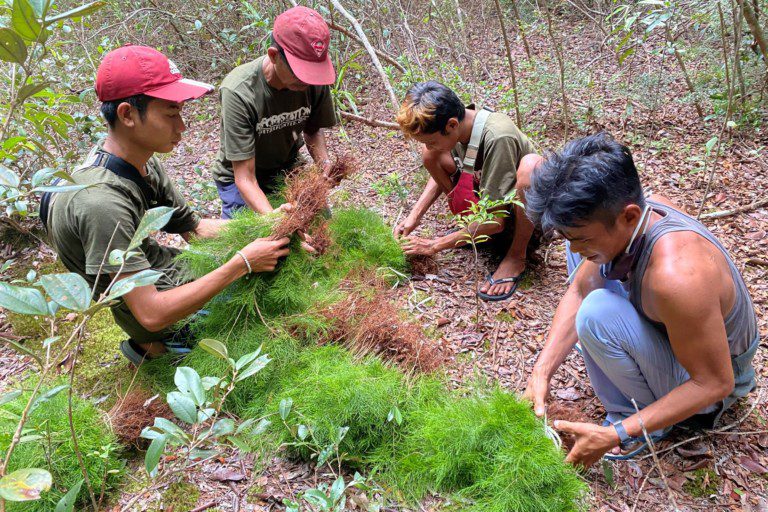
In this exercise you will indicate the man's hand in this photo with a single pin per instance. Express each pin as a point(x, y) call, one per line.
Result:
point(415, 246)
point(263, 253)
point(307, 242)
point(406, 227)
point(591, 441)
point(537, 391)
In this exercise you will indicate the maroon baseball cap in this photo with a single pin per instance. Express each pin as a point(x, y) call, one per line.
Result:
point(304, 36)
point(133, 70)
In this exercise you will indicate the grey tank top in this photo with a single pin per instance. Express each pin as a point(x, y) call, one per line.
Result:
point(741, 322)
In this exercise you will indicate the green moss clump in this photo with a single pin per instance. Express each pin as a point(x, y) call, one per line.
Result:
point(180, 496)
point(705, 482)
point(55, 450)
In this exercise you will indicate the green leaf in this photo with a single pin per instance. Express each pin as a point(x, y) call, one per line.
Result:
point(153, 220)
point(123, 286)
point(223, 427)
point(26, 301)
point(40, 400)
point(170, 427)
point(285, 407)
point(67, 502)
point(10, 396)
point(50, 341)
point(12, 47)
point(30, 90)
point(55, 189)
point(8, 178)
point(183, 407)
point(608, 473)
point(154, 452)
point(25, 484)
point(68, 290)
point(214, 347)
point(711, 144)
point(77, 12)
point(42, 175)
point(24, 21)
point(254, 368)
point(337, 489)
point(317, 498)
point(189, 383)
point(198, 454)
point(302, 432)
point(247, 359)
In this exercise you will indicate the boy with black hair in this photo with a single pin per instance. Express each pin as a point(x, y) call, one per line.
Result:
point(142, 94)
point(270, 107)
point(661, 312)
point(468, 152)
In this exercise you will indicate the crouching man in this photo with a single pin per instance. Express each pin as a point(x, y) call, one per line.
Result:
point(142, 94)
point(468, 152)
point(661, 312)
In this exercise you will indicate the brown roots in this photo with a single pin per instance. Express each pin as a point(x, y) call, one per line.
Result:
point(136, 410)
point(422, 265)
point(367, 322)
point(307, 190)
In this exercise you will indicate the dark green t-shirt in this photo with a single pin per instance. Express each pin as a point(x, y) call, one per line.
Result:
point(81, 225)
point(261, 122)
point(502, 147)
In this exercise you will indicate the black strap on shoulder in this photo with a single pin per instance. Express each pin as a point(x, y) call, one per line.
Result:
point(116, 165)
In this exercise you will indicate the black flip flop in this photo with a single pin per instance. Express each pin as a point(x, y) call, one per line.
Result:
point(494, 298)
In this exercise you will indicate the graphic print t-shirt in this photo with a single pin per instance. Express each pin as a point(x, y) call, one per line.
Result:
point(258, 121)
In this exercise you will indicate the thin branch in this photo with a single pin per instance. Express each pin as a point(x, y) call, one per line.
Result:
point(733, 211)
point(356, 39)
point(369, 121)
point(511, 64)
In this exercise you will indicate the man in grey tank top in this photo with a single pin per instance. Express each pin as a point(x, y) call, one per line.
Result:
point(661, 313)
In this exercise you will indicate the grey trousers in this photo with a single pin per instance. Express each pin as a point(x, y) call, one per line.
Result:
point(625, 355)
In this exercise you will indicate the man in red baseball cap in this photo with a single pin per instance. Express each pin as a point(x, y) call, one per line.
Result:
point(142, 95)
point(269, 105)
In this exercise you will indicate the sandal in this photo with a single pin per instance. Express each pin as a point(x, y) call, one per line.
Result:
point(490, 280)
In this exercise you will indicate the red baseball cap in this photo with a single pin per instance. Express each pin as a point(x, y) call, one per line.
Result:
point(133, 70)
point(304, 36)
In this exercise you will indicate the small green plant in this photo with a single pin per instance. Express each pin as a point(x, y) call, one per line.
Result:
point(484, 212)
point(330, 498)
point(198, 402)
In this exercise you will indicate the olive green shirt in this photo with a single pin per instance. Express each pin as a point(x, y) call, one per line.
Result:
point(502, 147)
point(81, 225)
point(261, 122)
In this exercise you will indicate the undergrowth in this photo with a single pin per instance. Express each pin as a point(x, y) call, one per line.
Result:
point(54, 449)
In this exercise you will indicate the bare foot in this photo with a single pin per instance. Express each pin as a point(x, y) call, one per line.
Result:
point(509, 267)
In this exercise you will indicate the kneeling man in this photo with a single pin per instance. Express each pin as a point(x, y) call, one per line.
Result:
point(661, 312)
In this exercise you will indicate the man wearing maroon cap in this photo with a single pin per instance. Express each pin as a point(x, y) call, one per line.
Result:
point(269, 105)
point(142, 94)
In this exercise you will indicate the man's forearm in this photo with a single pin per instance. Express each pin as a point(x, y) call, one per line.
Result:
point(209, 228)
point(427, 198)
point(462, 237)
point(562, 335)
point(253, 196)
point(316, 146)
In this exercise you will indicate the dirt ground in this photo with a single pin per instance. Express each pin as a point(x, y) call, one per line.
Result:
point(724, 470)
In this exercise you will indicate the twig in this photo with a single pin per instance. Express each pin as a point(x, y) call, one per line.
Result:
point(512, 73)
point(733, 211)
point(370, 49)
point(652, 448)
point(353, 37)
point(208, 505)
point(369, 121)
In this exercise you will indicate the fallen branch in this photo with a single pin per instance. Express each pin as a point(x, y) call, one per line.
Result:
point(733, 211)
point(370, 121)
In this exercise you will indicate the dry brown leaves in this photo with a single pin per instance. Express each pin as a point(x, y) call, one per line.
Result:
point(367, 322)
point(422, 264)
point(136, 410)
point(307, 190)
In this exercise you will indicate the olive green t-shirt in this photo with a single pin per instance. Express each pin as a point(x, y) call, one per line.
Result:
point(502, 147)
point(260, 121)
point(81, 225)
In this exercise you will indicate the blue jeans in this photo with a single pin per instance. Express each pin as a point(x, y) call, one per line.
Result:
point(231, 200)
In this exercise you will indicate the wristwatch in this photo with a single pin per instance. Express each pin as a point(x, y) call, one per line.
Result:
point(621, 431)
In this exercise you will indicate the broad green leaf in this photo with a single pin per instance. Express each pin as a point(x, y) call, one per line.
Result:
point(317, 498)
point(302, 432)
point(27, 301)
point(10, 396)
point(154, 452)
point(25, 484)
point(153, 220)
point(12, 47)
point(213, 347)
point(30, 90)
point(285, 407)
point(54, 189)
point(123, 286)
point(341, 433)
point(68, 290)
point(337, 489)
point(198, 454)
point(223, 427)
point(170, 427)
point(711, 144)
point(77, 12)
point(8, 178)
point(67, 502)
point(40, 400)
point(189, 382)
point(42, 175)
point(183, 407)
point(247, 359)
point(24, 21)
point(50, 341)
point(254, 368)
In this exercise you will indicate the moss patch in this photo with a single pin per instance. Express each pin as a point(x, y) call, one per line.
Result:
point(703, 482)
point(179, 496)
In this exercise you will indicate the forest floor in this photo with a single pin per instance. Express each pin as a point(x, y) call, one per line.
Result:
point(726, 470)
